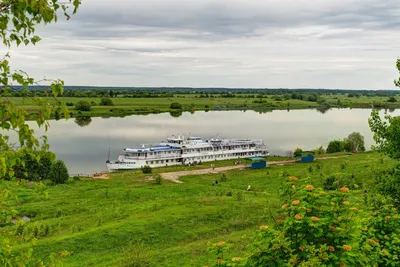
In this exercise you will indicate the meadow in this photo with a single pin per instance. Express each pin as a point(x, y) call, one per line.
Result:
point(129, 220)
point(191, 102)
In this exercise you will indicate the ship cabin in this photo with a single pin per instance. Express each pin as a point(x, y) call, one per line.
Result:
point(161, 154)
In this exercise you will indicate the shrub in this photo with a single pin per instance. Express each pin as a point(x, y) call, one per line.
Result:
point(176, 105)
point(158, 179)
point(320, 150)
point(147, 169)
point(59, 172)
point(82, 105)
point(106, 101)
point(355, 143)
point(223, 178)
point(392, 99)
point(335, 146)
point(69, 104)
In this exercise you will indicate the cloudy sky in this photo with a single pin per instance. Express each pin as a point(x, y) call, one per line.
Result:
point(221, 43)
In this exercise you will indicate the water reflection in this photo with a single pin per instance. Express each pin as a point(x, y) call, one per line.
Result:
point(323, 109)
point(85, 149)
point(176, 114)
point(83, 120)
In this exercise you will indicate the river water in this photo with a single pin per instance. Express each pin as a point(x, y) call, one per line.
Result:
point(84, 145)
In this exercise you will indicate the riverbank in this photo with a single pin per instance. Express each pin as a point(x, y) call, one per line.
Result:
point(192, 102)
point(129, 219)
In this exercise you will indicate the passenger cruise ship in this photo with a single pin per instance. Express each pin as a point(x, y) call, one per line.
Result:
point(177, 150)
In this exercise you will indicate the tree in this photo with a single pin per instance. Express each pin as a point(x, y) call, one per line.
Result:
point(392, 99)
point(105, 101)
point(355, 142)
point(82, 105)
point(83, 120)
point(386, 133)
point(18, 21)
point(335, 146)
point(59, 172)
point(176, 105)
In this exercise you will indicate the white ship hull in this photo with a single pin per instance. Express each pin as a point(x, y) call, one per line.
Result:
point(178, 151)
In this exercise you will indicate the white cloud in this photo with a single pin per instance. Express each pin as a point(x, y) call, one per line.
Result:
point(285, 43)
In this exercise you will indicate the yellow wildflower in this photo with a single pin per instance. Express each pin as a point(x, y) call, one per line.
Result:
point(310, 187)
point(295, 202)
point(298, 217)
point(340, 219)
point(263, 227)
point(344, 190)
point(347, 247)
point(346, 203)
point(236, 259)
point(333, 203)
point(315, 219)
point(220, 260)
point(385, 252)
point(293, 178)
point(355, 209)
point(221, 243)
point(285, 206)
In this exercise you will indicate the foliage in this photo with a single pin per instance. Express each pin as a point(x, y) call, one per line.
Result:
point(83, 105)
point(355, 142)
point(105, 101)
point(392, 99)
point(33, 167)
point(158, 179)
point(18, 20)
point(59, 172)
point(176, 105)
point(335, 146)
point(147, 169)
point(135, 255)
point(224, 178)
point(319, 151)
point(317, 228)
point(297, 152)
point(386, 133)
point(387, 183)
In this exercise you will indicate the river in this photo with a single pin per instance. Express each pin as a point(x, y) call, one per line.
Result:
point(84, 146)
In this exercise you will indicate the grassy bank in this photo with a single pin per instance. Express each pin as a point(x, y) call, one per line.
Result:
point(130, 219)
point(192, 102)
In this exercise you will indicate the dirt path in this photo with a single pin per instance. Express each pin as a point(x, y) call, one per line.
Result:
point(174, 176)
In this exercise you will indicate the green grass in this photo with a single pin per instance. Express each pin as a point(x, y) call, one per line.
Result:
point(171, 224)
point(128, 106)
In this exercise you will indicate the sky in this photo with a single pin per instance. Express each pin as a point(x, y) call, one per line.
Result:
point(348, 44)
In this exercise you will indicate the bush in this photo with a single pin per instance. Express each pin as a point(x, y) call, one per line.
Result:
point(335, 146)
point(35, 169)
point(176, 105)
point(59, 172)
point(147, 169)
point(158, 179)
point(320, 150)
point(105, 101)
point(392, 99)
point(69, 104)
point(224, 178)
point(82, 106)
point(354, 143)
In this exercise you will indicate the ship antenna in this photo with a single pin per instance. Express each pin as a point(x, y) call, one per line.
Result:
point(109, 150)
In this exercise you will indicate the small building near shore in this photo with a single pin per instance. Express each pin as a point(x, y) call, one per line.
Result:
point(305, 156)
point(257, 162)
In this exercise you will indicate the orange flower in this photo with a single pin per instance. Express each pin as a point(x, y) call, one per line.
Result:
point(385, 252)
point(295, 202)
point(365, 229)
point(293, 178)
point(236, 259)
point(220, 260)
point(285, 206)
point(355, 209)
point(315, 219)
point(310, 187)
point(372, 241)
point(298, 217)
point(347, 247)
point(333, 228)
point(221, 243)
point(387, 217)
point(331, 249)
point(344, 190)
point(346, 203)
point(263, 227)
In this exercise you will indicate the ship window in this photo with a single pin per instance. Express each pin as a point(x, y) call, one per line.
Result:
point(166, 161)
point(151, 162)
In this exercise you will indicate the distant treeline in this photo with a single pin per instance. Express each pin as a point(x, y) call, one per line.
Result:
point(136, 92)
